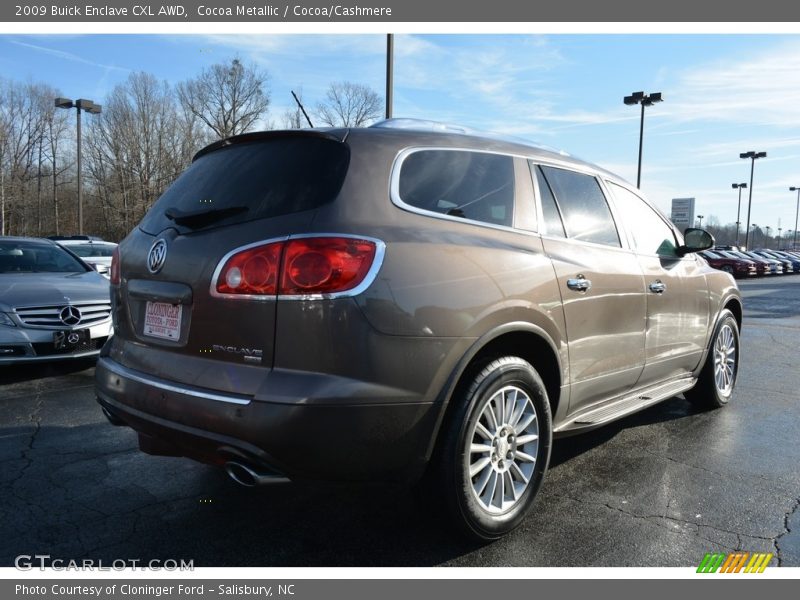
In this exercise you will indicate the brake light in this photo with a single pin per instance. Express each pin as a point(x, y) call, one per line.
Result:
point(297, 267)
point(114, 276)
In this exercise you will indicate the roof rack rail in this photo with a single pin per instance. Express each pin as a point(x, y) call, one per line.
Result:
point(423, 125)
point(435, 126)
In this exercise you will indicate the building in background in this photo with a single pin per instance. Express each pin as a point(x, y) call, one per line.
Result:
point(682, 212)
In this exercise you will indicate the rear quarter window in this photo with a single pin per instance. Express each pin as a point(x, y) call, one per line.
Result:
point(269, 178)
point(461, 184)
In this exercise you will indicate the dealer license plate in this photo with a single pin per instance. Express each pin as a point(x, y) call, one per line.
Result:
point(163, 320)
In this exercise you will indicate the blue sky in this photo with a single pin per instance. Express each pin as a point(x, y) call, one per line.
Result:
point(724, 94)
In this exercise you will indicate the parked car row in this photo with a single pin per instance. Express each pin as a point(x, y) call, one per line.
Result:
point(754, 263)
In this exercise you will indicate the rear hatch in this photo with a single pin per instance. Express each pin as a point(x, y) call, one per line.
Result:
point(238, 192)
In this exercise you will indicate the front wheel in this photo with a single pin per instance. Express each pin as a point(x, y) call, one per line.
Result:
point(496, 450)
point(718, 377)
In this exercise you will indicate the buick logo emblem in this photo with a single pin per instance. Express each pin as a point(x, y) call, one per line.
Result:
point(157, 256)
point(70, 315)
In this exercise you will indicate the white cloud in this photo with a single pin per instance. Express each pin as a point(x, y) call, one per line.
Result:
point(68, 56)
point(762, 89)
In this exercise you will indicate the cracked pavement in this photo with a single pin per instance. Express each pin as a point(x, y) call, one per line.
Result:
point(660, 488)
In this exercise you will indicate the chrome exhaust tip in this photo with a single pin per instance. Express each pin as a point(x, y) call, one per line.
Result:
point(249, 476)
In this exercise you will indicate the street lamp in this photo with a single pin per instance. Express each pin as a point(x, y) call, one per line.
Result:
point(752, 155)
point(644, 100)
point(700, 218)
point(796, 211)
point(739, 208)
point(80, 105)
point(780, 242)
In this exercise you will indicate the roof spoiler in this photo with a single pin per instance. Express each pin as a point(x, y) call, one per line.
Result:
point(335, 135)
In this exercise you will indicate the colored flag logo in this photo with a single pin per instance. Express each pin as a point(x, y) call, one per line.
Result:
point(735, 562)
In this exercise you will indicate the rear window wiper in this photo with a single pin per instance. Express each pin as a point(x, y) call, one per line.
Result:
point(200, 218)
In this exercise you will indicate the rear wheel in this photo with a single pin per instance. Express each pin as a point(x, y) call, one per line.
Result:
point(496, 450)
point(718, 377)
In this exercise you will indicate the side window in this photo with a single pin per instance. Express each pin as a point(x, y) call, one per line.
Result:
point(583, 206)
point(651, 234)
point(553, 225)
point(468, 185)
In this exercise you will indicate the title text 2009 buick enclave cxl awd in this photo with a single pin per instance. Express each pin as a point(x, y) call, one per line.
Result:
point(403, 302)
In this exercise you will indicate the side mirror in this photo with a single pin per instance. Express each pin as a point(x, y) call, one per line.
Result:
point(695, 240)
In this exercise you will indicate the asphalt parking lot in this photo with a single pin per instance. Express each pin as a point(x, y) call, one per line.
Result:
point(660, 488)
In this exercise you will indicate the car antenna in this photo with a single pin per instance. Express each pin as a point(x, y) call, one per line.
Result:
point(300, 104)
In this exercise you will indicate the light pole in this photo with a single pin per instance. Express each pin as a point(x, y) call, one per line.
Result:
point(700, 218)
point(753, 226)
point(796, 212)
point(644, 100)
point(91, 108)
point(389, 73)
point(752, 155)
point(780, 242)
point(769, 235)
point(739, 208)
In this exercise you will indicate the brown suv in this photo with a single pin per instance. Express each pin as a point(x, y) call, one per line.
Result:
point(392, 302)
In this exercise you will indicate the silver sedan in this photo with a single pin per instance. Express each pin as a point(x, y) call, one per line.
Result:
point(53, 306)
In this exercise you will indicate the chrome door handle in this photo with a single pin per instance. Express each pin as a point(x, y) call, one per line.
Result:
point(579, 284)
point(658, 287)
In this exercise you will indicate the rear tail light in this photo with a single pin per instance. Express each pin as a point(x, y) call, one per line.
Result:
point(114, 276)
point(298, 267)
point(253, 271)
point(325, 265)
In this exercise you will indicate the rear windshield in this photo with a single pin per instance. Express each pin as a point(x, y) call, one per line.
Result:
point(252, 180)
point(18, 256)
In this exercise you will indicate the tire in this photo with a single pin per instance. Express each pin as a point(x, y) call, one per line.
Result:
point(728, 269)
point(506, 451)
point(718, 376)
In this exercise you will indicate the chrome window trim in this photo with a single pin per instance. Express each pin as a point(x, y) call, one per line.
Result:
point(369, 278)
point(122, 371)
point(394, 186)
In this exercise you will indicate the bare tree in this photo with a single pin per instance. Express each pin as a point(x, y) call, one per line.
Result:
point(349, 104)
point(228, 97)
point(23, 113)
point(138, 145)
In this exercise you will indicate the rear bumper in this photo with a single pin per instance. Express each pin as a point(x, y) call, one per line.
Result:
point(301, 425)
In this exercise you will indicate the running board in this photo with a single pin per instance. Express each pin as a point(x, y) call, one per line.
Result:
point(633, 402)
